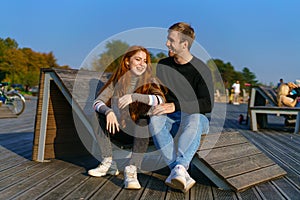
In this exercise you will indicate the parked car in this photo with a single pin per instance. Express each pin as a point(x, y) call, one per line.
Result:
point(16, 86)
point(34, 90)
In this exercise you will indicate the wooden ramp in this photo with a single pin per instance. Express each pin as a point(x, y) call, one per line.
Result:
point(64, 112)
point(232, 162)
point(5, 112)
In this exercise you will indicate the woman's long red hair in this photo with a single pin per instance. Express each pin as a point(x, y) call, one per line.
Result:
point(121, 77)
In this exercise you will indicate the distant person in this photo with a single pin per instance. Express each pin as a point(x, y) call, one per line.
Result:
point(177, 125)
point(237, 90)
point(127, 96)
point(285, 97)
point(278, 84)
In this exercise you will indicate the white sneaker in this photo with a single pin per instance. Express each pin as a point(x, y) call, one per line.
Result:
point(130, 178)
point(190, 182)
point(106, 167)
point(177, 178)
point(180, 179)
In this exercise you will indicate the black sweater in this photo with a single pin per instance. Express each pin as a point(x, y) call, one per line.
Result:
point(190, 86)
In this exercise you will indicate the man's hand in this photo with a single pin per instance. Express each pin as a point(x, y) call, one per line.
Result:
point(164, 108)
point(112, 123)
point(125, 100)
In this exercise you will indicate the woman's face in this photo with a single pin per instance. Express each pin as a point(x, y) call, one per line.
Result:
point(138, 63)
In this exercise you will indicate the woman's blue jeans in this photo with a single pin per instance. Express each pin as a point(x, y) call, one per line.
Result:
point(177, 136)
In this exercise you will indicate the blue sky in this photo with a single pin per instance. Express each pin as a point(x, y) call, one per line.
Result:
point(259, 34)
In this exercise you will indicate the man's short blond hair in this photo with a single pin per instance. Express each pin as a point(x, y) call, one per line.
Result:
point(186, 31)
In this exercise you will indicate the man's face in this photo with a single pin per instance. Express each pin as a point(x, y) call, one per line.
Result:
point(174, 43)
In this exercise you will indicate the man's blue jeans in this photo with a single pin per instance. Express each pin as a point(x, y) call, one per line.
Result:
point(177, 136)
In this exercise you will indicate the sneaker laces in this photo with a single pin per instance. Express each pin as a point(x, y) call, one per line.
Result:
point(131, 172)
point(105, 164)
point(179, 169)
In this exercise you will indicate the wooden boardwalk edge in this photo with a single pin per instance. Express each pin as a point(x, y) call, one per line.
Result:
point(234, 164)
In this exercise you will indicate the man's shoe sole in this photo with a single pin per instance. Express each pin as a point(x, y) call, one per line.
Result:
point(114, 173)
point(176, 183)
point(189, 186)
point(132, 186)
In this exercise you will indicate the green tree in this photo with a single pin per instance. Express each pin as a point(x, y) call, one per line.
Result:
point(230, 75)
point(155, 59)
point(227, 72)
point(7, 43)
point(249, 76)
point(110, 59)
point(22, 65)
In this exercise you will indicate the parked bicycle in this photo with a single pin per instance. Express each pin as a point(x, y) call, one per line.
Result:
point(12, 99)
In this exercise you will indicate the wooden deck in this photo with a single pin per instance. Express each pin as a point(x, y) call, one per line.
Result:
point(5, 112)
point(22, 178)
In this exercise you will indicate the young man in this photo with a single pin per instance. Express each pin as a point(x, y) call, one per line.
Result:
point(237, 90)
point(182, 119)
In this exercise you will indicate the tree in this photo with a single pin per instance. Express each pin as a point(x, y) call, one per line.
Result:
point(229, 75)
point(22, 65)
point(155, 59)
point(249, 76)
point(8, 43)
point(226, 70)
point(110, 59)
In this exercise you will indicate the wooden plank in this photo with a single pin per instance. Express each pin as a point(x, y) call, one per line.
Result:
point(38, 114)
point(63, 150)
point(35, 178)
point(13, 160)
point(49, 183)
point(287, 188)
point(223, 194)
point(67, 187)
point(5, 112)
point(156, 188)
point(59, 120)
point(202, 191)
point(211, 174)
point(218, 155)
point(282, 159)
point(249, 194)
point(15, 169)
point(239, 166)
point(269, 190)
point(231, 160)
point(60, 136)
point(202, 187)
point(15, 179)
point(247, 180)
point(110, 189)
point(62, 121)
point(135, 194)
point(215, 140)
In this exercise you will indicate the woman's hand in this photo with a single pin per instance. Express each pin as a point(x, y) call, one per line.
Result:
point(112, 124)
point(292, 85)
point(164, 108)
point(125, 100)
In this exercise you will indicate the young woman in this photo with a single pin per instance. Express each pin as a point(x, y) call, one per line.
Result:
point(284, 97)
point(123, 105)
